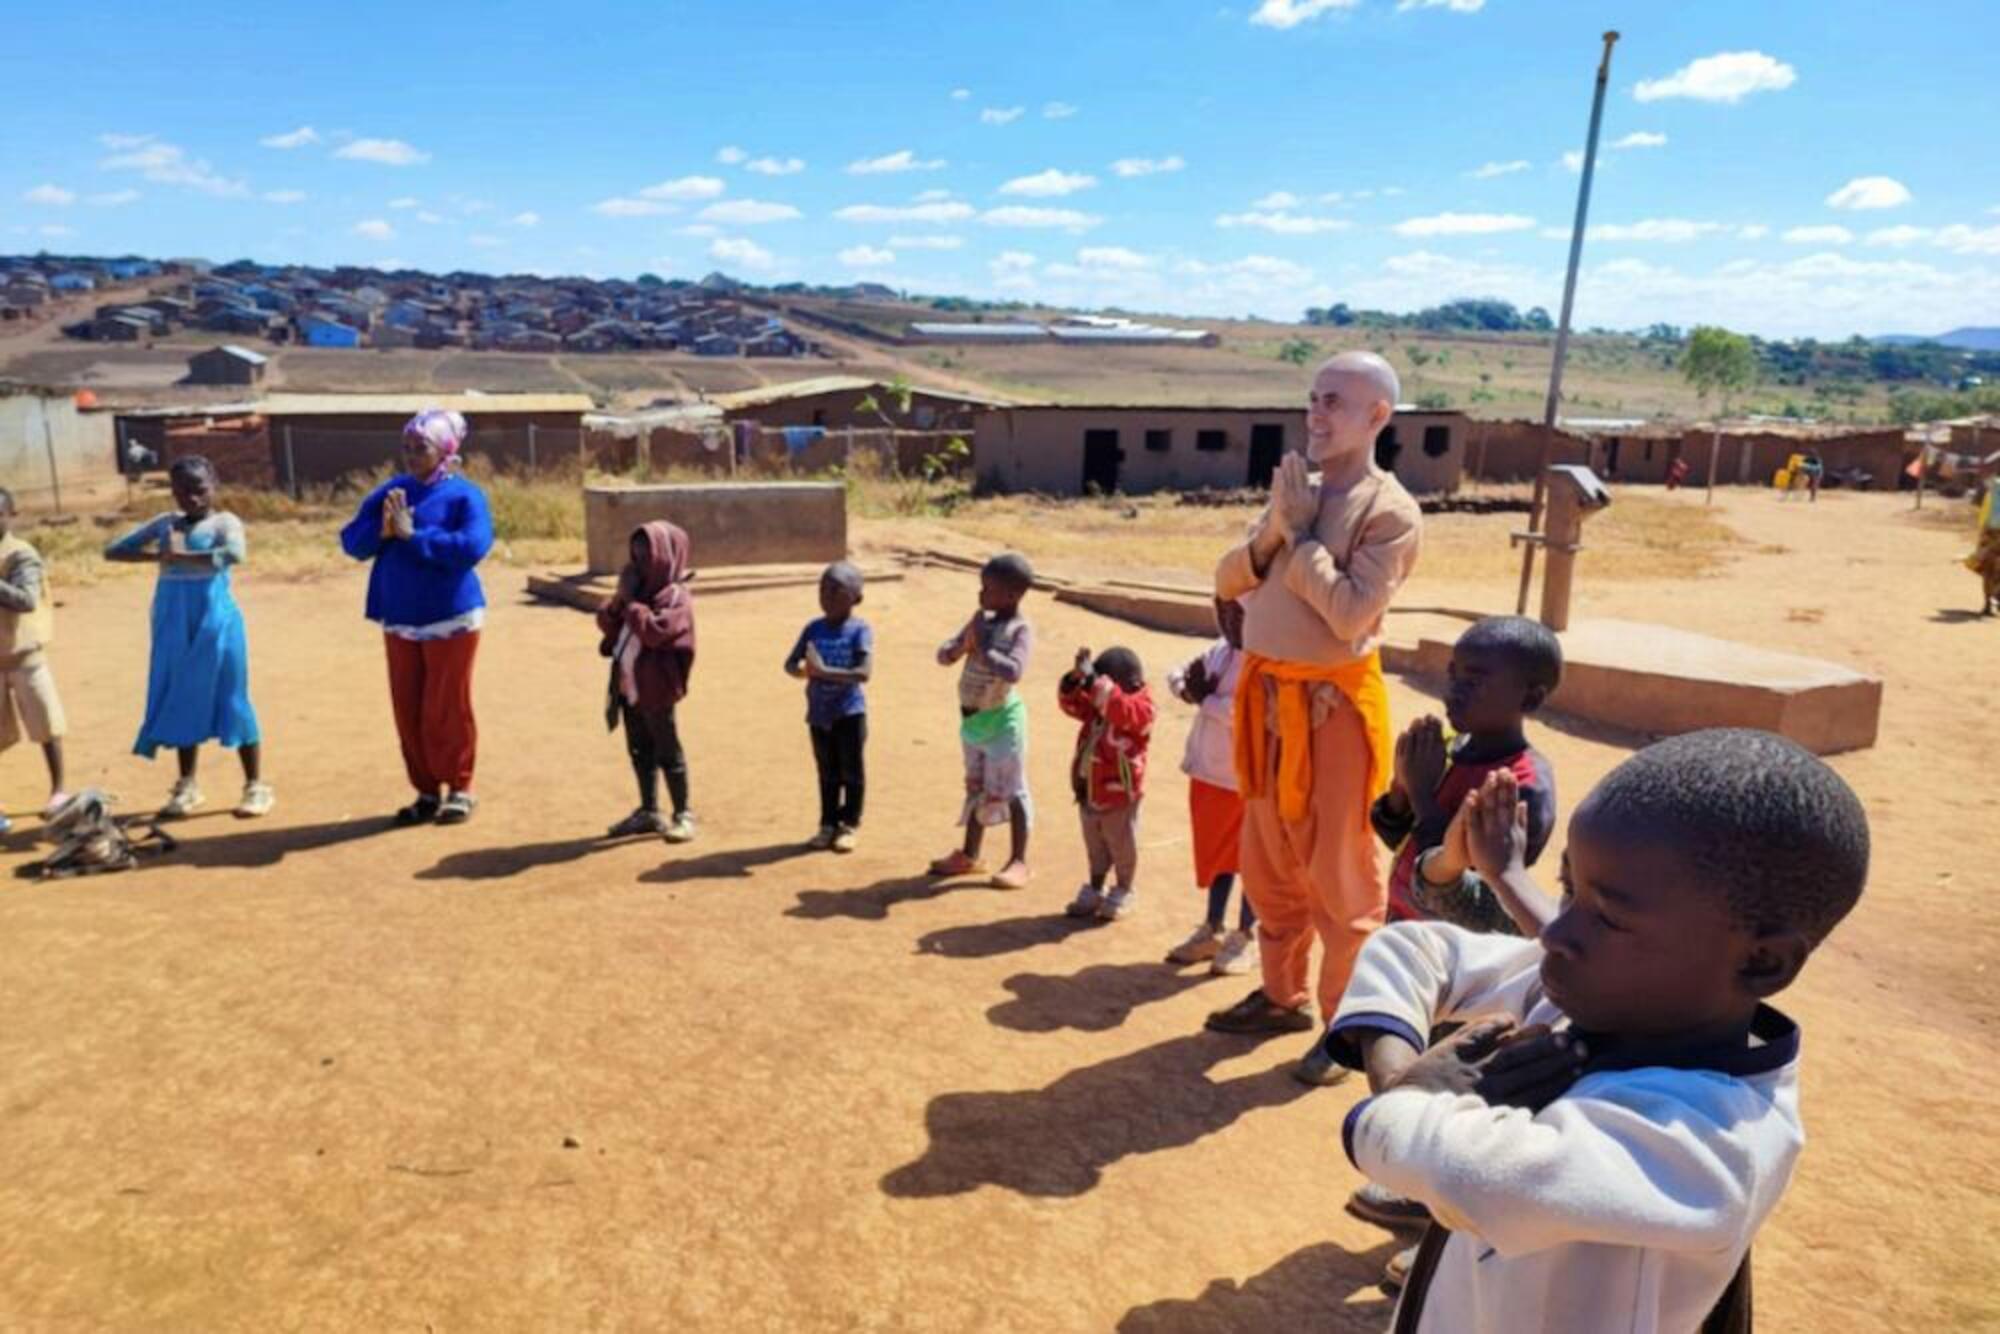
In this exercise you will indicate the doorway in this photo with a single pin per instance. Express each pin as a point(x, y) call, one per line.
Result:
point(1101, 457)
point(1267, 446)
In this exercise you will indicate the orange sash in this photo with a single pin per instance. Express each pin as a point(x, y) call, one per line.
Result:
point(1359, 681)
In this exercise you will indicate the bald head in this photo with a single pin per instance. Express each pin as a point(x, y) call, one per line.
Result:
point(1353, 396)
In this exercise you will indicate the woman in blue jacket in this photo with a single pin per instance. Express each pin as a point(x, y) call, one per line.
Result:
point(426, 530)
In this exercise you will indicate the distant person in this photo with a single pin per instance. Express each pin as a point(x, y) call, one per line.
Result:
point(1107, 773)
point(648, 628)
point(198, 686)
point(29, 704)
point(834, 656)
point(1620, 1114)
point(1677, 473)
point(993, 719)
point(1985, 558)
point(1215, 807)
point(1313, 744)
point(426, 530)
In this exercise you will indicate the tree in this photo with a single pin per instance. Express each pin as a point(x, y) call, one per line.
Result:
point(1721, 363)
point(1298, 351)
point(1538, 320)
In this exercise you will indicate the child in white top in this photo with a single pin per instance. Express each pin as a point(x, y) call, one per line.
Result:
point(1215, 807)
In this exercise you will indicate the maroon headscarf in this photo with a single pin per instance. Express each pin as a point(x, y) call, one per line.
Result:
point(663, 582)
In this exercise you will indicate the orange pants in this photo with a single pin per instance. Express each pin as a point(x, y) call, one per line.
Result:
point(1316, 876)
point(430, 689)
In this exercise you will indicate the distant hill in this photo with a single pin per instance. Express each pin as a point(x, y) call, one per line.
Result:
point(1979, 339)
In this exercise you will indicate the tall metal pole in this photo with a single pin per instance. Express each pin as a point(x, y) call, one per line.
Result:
point(1554, 405)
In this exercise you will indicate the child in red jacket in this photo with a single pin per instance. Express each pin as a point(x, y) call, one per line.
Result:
point(648, 628)
point(1108, 771)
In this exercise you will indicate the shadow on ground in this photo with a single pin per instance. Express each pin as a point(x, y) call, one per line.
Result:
point(1956, 616)
point(499, 863)
point(1321, 1288)
point(257, 844)
point(1058, 1140)
point(985, 940)
point(871, 903)
point(737, 862)
point(1099, 998)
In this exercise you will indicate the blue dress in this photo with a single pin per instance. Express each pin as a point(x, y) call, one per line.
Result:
point(198, 687)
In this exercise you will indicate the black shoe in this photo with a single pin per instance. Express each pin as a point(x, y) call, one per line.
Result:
point(1385, 1208)
point(1257, 1013)
point(421, 811)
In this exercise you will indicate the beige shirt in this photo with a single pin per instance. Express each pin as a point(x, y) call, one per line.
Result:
point(1321, 602)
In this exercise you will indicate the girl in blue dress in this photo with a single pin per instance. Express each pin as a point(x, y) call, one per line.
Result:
point(198, 688)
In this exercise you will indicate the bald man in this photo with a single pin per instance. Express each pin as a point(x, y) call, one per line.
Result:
point(1313, 747)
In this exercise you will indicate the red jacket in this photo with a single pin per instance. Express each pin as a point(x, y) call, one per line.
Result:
point(654, 603)
point(1108, 770)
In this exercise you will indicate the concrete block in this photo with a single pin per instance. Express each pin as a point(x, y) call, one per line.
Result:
point(728, 523)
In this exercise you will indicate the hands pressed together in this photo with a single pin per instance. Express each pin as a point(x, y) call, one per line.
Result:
point(397, 520)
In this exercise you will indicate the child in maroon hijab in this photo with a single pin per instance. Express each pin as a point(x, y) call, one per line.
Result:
point(648, 630)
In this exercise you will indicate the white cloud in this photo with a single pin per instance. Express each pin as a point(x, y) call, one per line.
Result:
point(743, 252)
point(1827, 235)
point(622, 207)
point(1965, 240)
point(375, 230)
point(166, 164)
point(1870, 192)
point(867, 257)
point(53, 195)
point(748, 212)
point(298, 138)
point(685, 187)
point(932, 196)
point(1112, 257)
point(1455, 6)
point(940, 211)
point(774, 166)
point(1642, 139)
point(1463, 224)
point(1755, 231)
point(1487, 171)
point(1283, 223)
point(926, 242)
point(1000, 115)
point(1282, 14)
point(1278, 199)
point(429, 218)
point(1048, 183)
point(1012, 259)
point(56, 229)
point(1898, 236)
point(113, 198)
point(901, 160)
point(406, 201)
point(1672, 231)
point(1057, 111)
point(284, 196)
point(1573, 160)
point(1729, 76)
point(526, 219)
point(482, 241)
point(1146, 166)
point(699, 229)
point(730, 155)
point(960, 94)
point(388, 152)
point(1016, 215)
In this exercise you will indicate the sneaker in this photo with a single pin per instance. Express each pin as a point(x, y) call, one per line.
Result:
point(182, 801)
point(5, 824)
point(1118, 903)
point(1014, 875)
point(1397, 1271)
point(822, 840)
point(1238, 955)
point(843, 839)
point(957, 863)
point(457, 808)
point(421, 811)
point(640, 821)
point(1086, 903)
point(680, 829)
point(1317, 1068)
point(1198, 947)
point(1259, 1015)
point(1384, 1208)
point(258, 799)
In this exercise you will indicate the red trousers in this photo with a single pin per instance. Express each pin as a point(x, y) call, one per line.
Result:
point(430, 688)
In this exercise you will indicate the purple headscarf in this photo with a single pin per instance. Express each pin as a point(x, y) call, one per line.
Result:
point(444, 431)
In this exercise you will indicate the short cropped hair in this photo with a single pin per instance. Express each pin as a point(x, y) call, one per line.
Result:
point(844, 575)
point(1761, 821)
point(1121, 665)
point(1012, 569)
point(1531, 646)
point(191, 466)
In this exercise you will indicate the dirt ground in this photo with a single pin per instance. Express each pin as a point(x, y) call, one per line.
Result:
point(316, 1073)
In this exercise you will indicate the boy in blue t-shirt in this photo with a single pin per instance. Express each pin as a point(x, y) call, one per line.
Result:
point(833, 655)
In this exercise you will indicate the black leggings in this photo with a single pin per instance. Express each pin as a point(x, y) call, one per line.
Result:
point(655, 747)
point(843, 776)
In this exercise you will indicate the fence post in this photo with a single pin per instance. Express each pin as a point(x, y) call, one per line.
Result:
point(531, 448)
point(49, 443)
point(291, 466)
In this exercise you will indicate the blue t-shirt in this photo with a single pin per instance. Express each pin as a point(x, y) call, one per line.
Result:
point(841, 647)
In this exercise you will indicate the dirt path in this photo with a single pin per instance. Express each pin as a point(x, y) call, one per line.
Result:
point(315, 1073)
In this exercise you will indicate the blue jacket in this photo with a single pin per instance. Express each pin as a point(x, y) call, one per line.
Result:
point(430, 577)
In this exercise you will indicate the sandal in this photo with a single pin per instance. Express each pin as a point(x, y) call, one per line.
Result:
point(956, 864)
point(421, 811)
point(457, 808)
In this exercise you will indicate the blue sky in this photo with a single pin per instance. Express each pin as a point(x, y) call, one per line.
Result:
point(1779, 166)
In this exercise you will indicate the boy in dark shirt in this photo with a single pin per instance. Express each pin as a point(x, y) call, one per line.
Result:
point(833, 656)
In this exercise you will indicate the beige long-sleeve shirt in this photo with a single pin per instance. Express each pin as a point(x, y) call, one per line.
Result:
point(1322, 601)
